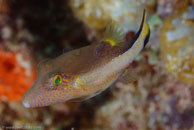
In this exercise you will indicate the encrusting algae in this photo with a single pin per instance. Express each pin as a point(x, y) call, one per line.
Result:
point(15, 77)
point(177, 44)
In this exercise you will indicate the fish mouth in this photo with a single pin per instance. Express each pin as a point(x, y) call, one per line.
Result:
point(26, 100)
point(25, 104)
point(30, 96)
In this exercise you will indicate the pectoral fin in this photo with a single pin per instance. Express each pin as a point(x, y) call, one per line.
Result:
point(128, 76)
point(82, 98)
point(79, 99)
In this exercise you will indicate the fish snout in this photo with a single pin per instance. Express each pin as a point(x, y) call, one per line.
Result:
point(26, 102)
point(28, 98)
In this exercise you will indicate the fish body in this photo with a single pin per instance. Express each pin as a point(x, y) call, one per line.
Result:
point(83, 73)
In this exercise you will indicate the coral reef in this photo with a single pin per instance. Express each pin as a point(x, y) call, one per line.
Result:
point(3, 6)
point(96, 14)
point(177, 45)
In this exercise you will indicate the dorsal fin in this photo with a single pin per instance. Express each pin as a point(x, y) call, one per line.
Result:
point(114, 35)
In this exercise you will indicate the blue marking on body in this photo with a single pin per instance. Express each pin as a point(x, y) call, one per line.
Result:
point(62, 85)
point(34, 103)
point(65, 77)
point(48, 103)
point(64, 82)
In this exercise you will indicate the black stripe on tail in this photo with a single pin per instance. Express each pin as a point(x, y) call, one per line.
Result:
point(132, 41)
point(147, 38)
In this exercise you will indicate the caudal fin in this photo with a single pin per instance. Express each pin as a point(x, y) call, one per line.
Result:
point(143, 32)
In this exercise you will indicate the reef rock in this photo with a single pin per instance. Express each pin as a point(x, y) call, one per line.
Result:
point(177, 44)
point(96, 14)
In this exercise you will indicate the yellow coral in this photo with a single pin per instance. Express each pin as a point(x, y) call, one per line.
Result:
point(177, 45)
point(96, 14)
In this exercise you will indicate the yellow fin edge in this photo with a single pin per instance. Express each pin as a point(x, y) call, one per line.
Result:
point(111, 42)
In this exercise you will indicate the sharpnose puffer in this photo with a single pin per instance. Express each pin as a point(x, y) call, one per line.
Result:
point(83, 73)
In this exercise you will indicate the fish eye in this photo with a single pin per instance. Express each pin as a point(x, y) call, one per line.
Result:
point(57, 80)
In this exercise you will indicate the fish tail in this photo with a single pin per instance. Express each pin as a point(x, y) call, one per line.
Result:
point(143, 33)
point(146, 29)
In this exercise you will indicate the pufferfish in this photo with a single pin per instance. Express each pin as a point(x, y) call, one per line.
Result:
point(86, 72)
